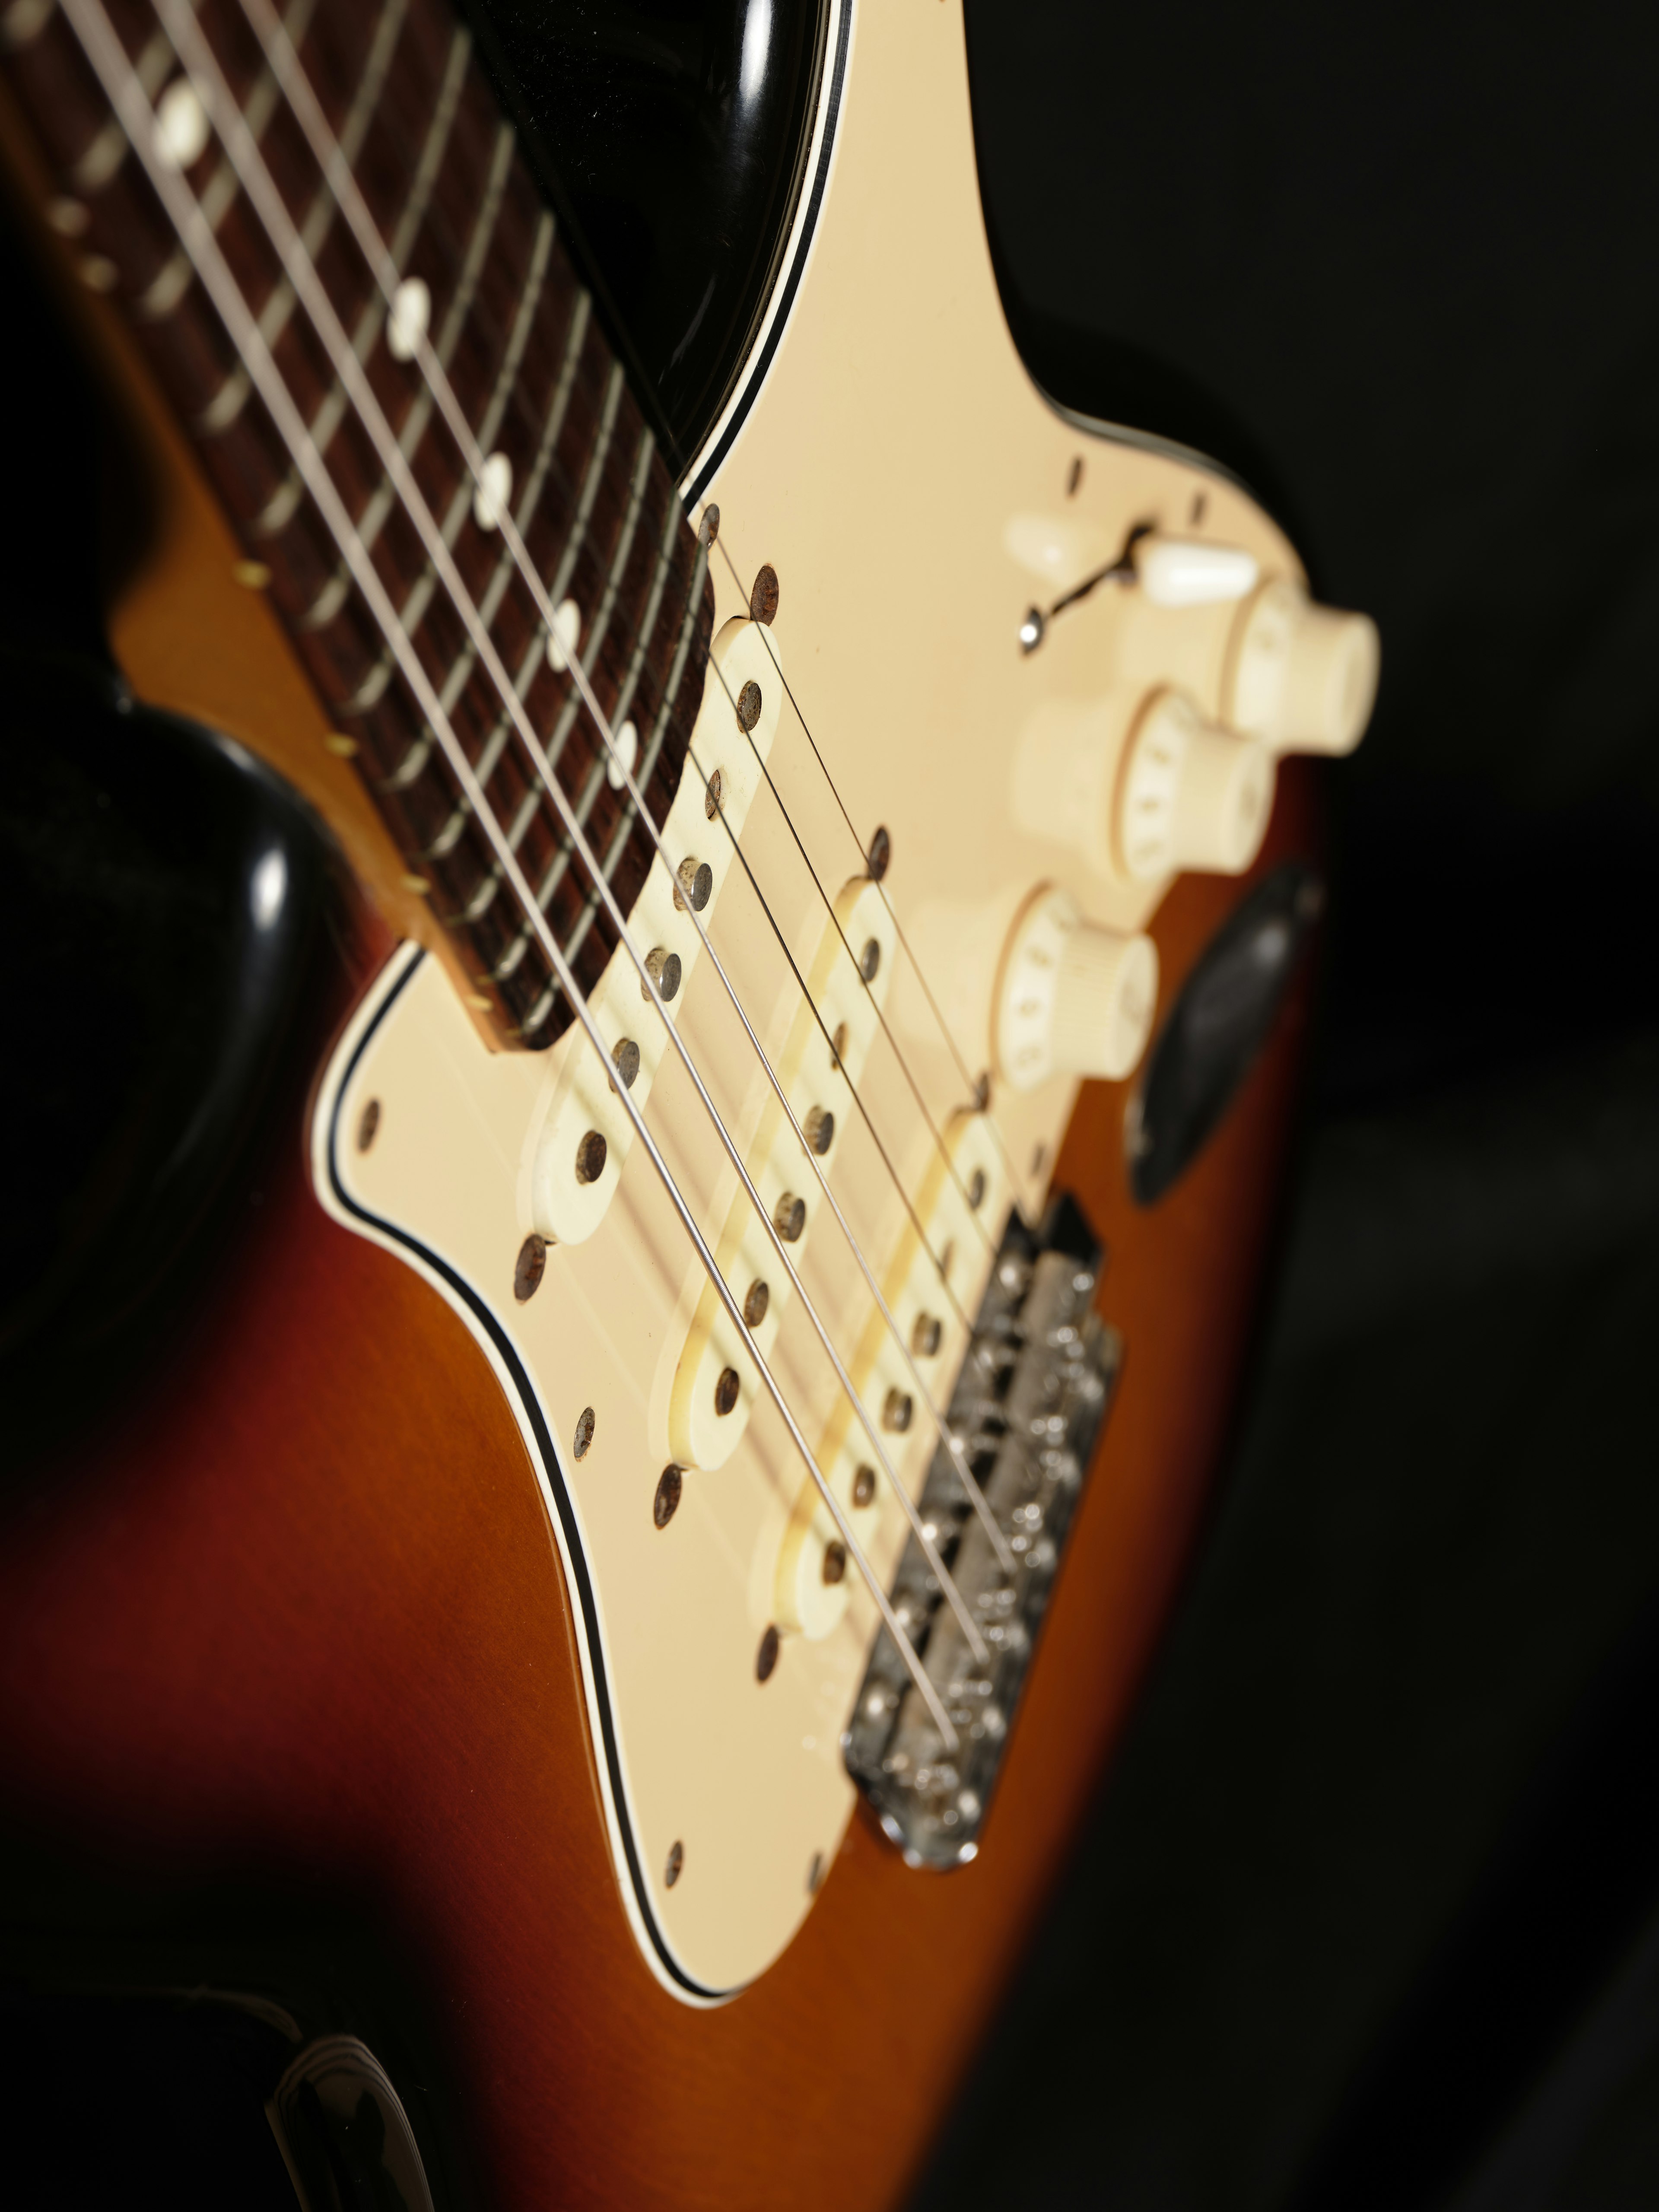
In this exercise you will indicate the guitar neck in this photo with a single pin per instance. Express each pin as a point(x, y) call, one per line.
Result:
point(344, 345)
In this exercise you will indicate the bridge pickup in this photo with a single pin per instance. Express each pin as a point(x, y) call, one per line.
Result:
point(1032, 1395)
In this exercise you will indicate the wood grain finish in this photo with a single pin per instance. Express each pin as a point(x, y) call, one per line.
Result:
point(304, 1618)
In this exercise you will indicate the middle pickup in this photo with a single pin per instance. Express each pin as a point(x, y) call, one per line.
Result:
point(716, 1382)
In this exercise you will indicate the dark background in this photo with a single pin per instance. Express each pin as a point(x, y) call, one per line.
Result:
point(1366, 1912)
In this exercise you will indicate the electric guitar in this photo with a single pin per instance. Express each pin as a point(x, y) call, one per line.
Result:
point(765, 912)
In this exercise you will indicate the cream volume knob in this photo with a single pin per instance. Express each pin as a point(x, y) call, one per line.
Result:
point(1071, 999)
point(1303, 677)
point(1190, 795)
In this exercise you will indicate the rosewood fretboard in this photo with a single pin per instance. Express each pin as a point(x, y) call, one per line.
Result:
point(596, 509)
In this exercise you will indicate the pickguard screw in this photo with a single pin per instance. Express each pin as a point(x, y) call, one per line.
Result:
point(834, 1563)
point(1075, 475)
point(870, 959)
point(667, 1502)
point(754, 1305)
point(763, 599)
point(864, 1487)
point(726, 1390)
point(880, 856)
point(531, 1267)
point(767, 1657)
point(584, 1435)
point(711, 798)
point(815, 1874)
point(368, 1122)
point(670, 1872)
point(749, 704)
point(709, 528)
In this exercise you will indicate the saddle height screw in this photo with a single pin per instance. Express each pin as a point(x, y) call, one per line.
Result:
point(667, 1502)
point(368, 1122)
point(531, 1267)
point(767, 1657)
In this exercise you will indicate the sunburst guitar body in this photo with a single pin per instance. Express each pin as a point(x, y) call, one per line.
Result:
point(666, 1502)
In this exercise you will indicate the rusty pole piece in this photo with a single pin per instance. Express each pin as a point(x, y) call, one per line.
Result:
point(763, 599)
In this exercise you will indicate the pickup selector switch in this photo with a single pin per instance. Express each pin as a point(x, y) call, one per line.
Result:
point(1190, 795)
point(1071, 999)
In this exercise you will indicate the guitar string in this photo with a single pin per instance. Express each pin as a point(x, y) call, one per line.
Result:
point(285, 64)
point(121, 85)
point(976, 1086)
point(337, 174)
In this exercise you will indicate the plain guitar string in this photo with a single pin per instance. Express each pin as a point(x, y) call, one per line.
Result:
point(285, 64)
point(194, 51)
point(337, 174)
point(975, 1085)
point(110, 64)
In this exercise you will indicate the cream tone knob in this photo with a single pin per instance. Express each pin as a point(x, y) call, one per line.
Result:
point(1181, 572)
point(1190, 795)
point(1071, 999)
point(1303, 678)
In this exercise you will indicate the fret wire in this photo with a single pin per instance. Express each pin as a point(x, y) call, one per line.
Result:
point(109, 61)
point(327, 153)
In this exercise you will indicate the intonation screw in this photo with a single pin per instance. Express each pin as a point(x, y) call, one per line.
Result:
point(711, 797)
point(664, 969)
point(726, 1390)
point(870, 960)
point(763, 599)
point(789, 1217)
point(864, 1487)
point(590, 1157)
point(694, 886)
point(667, 1502)
point(531, 1267)
point(755, 1304)
point(879, 855)
point(670, 1872)
point(834, 1563)
point(584, 1432)
point(749, 704)
point(767, 1657)
point(368, 1122)
point(819, 1128)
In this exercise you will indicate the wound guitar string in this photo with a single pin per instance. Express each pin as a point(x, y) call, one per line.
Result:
point(337, 171)
point(128, 95)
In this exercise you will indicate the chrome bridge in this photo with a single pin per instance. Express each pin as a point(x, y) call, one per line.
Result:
point(1033, 1390)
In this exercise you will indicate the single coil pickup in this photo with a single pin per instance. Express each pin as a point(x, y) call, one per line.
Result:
point(934, 1275)
point(716, 1382)
point(1029, 1403)
point(585, 1133)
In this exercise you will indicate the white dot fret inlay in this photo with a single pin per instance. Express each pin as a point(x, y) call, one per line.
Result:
point(566, 632)
point(181, 126)
point(495, 488)
point(411, 311)
point(620, 766)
